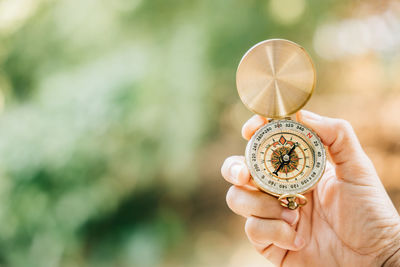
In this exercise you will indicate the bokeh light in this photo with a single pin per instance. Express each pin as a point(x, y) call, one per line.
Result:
point(287, 11)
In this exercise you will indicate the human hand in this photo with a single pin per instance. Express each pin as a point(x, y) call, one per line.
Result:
point(349, 219)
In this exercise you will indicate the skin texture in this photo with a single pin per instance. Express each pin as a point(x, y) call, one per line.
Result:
point(349, 219)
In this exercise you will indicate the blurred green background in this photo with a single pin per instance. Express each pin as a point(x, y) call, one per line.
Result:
point(117, 115)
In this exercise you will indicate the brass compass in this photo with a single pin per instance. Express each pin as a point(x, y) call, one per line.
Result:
point(275, 79)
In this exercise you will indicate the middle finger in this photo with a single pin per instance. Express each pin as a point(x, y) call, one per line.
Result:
point(258, 204)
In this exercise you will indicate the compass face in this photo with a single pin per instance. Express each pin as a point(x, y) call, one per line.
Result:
point(285, 157)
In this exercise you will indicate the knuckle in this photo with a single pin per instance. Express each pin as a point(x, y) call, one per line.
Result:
point(226, 163)
point(279, 230)
point(286, 233)
point(267, 203)
point(240, 158)
point(249, 127)
point(251, 228)
point(345, 135)
point(262, 205)
point(259, 248)
point(285, 229)
point(231, 197)
point(267, 252)
point(344, 125)
point(225, 169)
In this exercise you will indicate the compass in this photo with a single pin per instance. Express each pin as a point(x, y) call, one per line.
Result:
point(275, 79)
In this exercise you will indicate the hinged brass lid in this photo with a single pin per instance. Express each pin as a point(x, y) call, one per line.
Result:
point(275, 78)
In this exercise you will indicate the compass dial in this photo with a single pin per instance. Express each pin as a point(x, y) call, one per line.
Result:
point(285, 157)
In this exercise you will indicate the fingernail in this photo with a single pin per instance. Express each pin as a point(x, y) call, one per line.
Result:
point(236, 170)
point(307, 115)
point(299, 242)
point(290, 216)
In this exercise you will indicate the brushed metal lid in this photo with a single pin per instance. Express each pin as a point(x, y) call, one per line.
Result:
point(275, 78)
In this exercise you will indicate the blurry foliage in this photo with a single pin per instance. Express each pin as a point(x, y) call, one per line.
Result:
point(107, 104)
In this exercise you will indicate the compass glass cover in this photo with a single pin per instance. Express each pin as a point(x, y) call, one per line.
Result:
point(285, 157)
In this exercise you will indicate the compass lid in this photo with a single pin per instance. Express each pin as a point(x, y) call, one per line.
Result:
point(275, 78)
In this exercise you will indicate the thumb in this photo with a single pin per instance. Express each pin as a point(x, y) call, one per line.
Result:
point(343, 145)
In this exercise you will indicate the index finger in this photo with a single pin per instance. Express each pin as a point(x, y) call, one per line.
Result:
point(252, 125)
point(235, 171)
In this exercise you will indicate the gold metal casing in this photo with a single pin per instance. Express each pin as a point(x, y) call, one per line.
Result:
point(275, 78)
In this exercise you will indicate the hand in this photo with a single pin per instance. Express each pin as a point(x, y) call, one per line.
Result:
point(349, 219)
